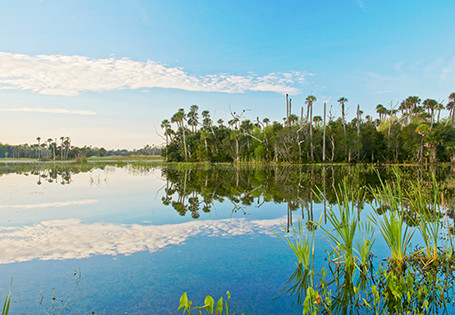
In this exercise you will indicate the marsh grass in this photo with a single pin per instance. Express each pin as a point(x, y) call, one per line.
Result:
point(429, 214)
point(344, 219)
point(409, 281)
point(303, 277)
point(396, 233)
point(302, 247)
point(7, 302)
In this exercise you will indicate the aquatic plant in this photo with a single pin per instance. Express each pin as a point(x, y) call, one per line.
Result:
point(396, 233)
point(209, 305)
point(344, 219)
point(404, 283)
point(7, 302)
point(429, 212)
point(302, 247)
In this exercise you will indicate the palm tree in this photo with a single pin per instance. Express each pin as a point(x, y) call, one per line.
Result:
point(166, 125)
point(414, 105)
point(179, 118)
point(430, 105)
point(309, 101)
point(381, 110)
point(438, 108)
point(193, 117)
point(452, 105)
point(49, 145)
point(68, 145)
point(317, 121)
point(39, 147)
point(343, 100)
point(423, 130)
point(61, 147)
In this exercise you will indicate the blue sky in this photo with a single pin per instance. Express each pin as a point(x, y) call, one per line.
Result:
point(106, 73)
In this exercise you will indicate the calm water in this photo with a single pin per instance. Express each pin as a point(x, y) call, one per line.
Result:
point(132, 238)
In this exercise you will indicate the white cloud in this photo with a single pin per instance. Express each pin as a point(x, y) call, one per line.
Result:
point(70, 75)
point(52, 204)
point(72, 239)
point(49, 110)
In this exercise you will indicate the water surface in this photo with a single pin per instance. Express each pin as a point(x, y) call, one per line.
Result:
point(132, 238)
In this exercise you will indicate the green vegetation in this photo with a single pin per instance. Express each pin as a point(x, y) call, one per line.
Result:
point(405, 207)
point(7, 302)
point(409, 281)
point(209, 305)
point(195, 189)
point(408, 132)
point(52, 150)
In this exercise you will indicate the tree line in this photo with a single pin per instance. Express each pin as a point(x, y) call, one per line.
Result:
point(62, 149)
point(408, 131)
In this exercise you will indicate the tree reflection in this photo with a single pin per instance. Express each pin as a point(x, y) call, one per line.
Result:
point(192, 189)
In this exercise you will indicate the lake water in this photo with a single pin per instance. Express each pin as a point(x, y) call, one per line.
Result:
point(130, 239)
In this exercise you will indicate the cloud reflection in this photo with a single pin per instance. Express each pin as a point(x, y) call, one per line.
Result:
point(51, 204)
point(72, 239)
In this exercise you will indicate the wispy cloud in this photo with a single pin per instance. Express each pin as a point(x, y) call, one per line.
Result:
point(72, 239)
point(49, 110)
point(448, 70)
point(360, 4)
point(382, 92)
point(70, 75)
point(408, 77)
point(51, 204)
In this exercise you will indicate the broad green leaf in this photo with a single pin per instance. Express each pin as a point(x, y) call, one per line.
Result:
point(183, 301)
point(209, 303)
point(219, 306)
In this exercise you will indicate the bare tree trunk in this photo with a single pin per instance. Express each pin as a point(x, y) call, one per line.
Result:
point(311, 131)
point(323, 138)
point(342, 117)
point(287, 110)
point(290, 110)
point(358, 119)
